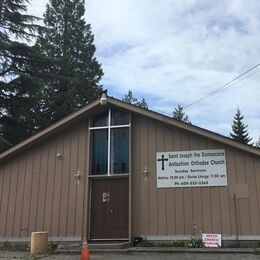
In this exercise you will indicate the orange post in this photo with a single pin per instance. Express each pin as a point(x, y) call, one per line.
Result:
point(85, 255)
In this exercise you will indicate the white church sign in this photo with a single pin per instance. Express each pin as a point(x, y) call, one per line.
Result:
point(195, 168)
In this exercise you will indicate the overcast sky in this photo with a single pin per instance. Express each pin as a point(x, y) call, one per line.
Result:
point(176, 51)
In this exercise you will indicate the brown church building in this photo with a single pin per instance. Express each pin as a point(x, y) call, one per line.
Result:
point(114, 171)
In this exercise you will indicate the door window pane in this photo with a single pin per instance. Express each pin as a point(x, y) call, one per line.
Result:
point(120, 150)
point(99, 151)
point(119, 117)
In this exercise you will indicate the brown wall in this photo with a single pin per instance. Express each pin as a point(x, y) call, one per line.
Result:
point(187, 211)
point(38, 191)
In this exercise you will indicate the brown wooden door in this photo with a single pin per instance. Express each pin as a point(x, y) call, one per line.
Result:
point(109, 209)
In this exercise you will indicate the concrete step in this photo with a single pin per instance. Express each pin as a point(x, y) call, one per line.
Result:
point(109, 245)
point(94, 245)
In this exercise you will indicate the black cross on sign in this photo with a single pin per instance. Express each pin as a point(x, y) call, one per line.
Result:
point(162, 160)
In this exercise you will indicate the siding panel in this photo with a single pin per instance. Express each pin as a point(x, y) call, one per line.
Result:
point(162, 210)
point(170, 197)
point(27, 195)
point(188, 214)
point(244, 227)
point(196, 196)
point(12, 199)
point(153, 222)
point(34, 191)
point(19, 197)
point(5, 198)
point(206, 198)
point(179, 197)
point(136, 178)
point(231, 179)
point(42, 189)
point(72, 188)
point(80, 187)
point(65, 185)
point(253, 205)
point(144, 192)
point(50, 186)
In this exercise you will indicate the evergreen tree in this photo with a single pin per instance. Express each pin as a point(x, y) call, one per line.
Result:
point(180, 115)
point(129, 98)
point(76, 73)
point(18, 87)
point(239, 129)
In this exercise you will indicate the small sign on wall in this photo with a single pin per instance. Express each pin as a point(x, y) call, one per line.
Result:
point(211, 240)
point(195, 168)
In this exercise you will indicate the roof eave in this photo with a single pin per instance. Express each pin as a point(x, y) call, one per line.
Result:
point(135, 109)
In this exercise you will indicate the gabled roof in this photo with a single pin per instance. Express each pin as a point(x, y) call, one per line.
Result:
point(90, 108)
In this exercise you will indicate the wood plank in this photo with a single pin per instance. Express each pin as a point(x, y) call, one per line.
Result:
point(244, 220)
point(80, 187)
point(162, 210)
point(66, 178)
point(27, 195)
point(153, 200)
point(144, 191)
point(42, 187)
point(215, 198)
point(253, 202)
point(5, 199)
point(231, 176)
point(205, 198)
point(58, 176)
point(179, 196)
point(187, 192)
point(50, 186)
point(170, 196)
point(86, 206)
point(72, 186)
point(19, 197)
point(34, 190)
point(196, 195)
point(136, 176)
point(257, 182)
point(12, 199)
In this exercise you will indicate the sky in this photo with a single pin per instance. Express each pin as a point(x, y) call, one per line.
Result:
point(175, 52)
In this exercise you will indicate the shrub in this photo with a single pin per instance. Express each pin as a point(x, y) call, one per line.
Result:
point(194, 243)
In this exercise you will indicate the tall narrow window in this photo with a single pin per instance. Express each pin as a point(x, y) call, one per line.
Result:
point(99, 151)
point(110, 143)
point(119, 150)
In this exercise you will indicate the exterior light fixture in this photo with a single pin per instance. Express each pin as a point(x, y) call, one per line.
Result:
point(146, 172)
point(59, 155)
point(77, 176)
point(103, 99)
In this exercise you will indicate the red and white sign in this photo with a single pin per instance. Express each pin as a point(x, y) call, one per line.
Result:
point(211, 240)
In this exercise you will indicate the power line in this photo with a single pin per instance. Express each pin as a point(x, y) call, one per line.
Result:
point(226, 85)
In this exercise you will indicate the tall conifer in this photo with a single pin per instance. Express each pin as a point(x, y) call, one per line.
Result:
point(18, 85)
point(180, 115)
point(76, 72)
point(239, 129)
point(129, 98)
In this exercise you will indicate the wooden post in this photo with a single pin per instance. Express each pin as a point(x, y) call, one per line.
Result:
point(39, 242)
